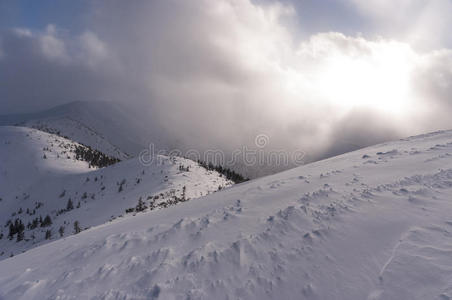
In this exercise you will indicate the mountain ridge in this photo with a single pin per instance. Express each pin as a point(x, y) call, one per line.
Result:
point(115, 123)
point(44, 175)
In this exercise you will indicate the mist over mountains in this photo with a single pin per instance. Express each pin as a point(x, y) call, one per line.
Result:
point(131, 132)
point(217, 76)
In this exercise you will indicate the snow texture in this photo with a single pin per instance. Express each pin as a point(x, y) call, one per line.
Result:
point(371, 224)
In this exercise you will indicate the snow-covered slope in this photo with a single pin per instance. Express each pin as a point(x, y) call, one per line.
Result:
point(40, 176)
point(106, 126)
point(371, 224)
point(78, 132)
point(28, 156)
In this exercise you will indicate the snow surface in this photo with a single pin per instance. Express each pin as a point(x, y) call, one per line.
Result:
point(115, 126)
point(371, 224)
point(33, 187)
point(78, 132)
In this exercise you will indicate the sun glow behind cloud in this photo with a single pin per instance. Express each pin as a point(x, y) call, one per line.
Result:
point(379, 80)
point(351, 73)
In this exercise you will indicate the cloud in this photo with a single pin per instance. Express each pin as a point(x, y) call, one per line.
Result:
point(422, 23)
point(218, 73)
point(52, 47)
point(43, 69)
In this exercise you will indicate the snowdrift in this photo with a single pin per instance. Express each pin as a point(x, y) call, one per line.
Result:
point(371, 224)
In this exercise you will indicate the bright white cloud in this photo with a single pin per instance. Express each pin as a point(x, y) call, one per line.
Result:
point(92, 49)
point(51, 46)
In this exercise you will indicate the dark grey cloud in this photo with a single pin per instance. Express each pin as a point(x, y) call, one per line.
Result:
point(358, 128)
point(38, 71)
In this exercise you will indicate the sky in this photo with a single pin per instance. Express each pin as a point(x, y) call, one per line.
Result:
point(324, 76)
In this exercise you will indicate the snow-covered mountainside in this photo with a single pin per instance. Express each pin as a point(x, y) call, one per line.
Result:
point(78, 132)
point(27, 156)
point(109, 127)
point(43, 175)
point(371, 224)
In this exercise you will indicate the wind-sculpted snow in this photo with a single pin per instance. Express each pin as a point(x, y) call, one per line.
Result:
point(342, 228)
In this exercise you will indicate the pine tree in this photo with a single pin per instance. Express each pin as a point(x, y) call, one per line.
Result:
point(61, 231)
point(16, 227)
point(77, 228)
point(69, 205)
point(47, 221)
point(20, 236)
point(121, 185)
point(184, 190)
point(12, 231)
point(48, 234)
point(141, 206)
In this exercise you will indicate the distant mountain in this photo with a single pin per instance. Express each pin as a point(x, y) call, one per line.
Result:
point(107, 126)
point(44, 175)
point(76, 130)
